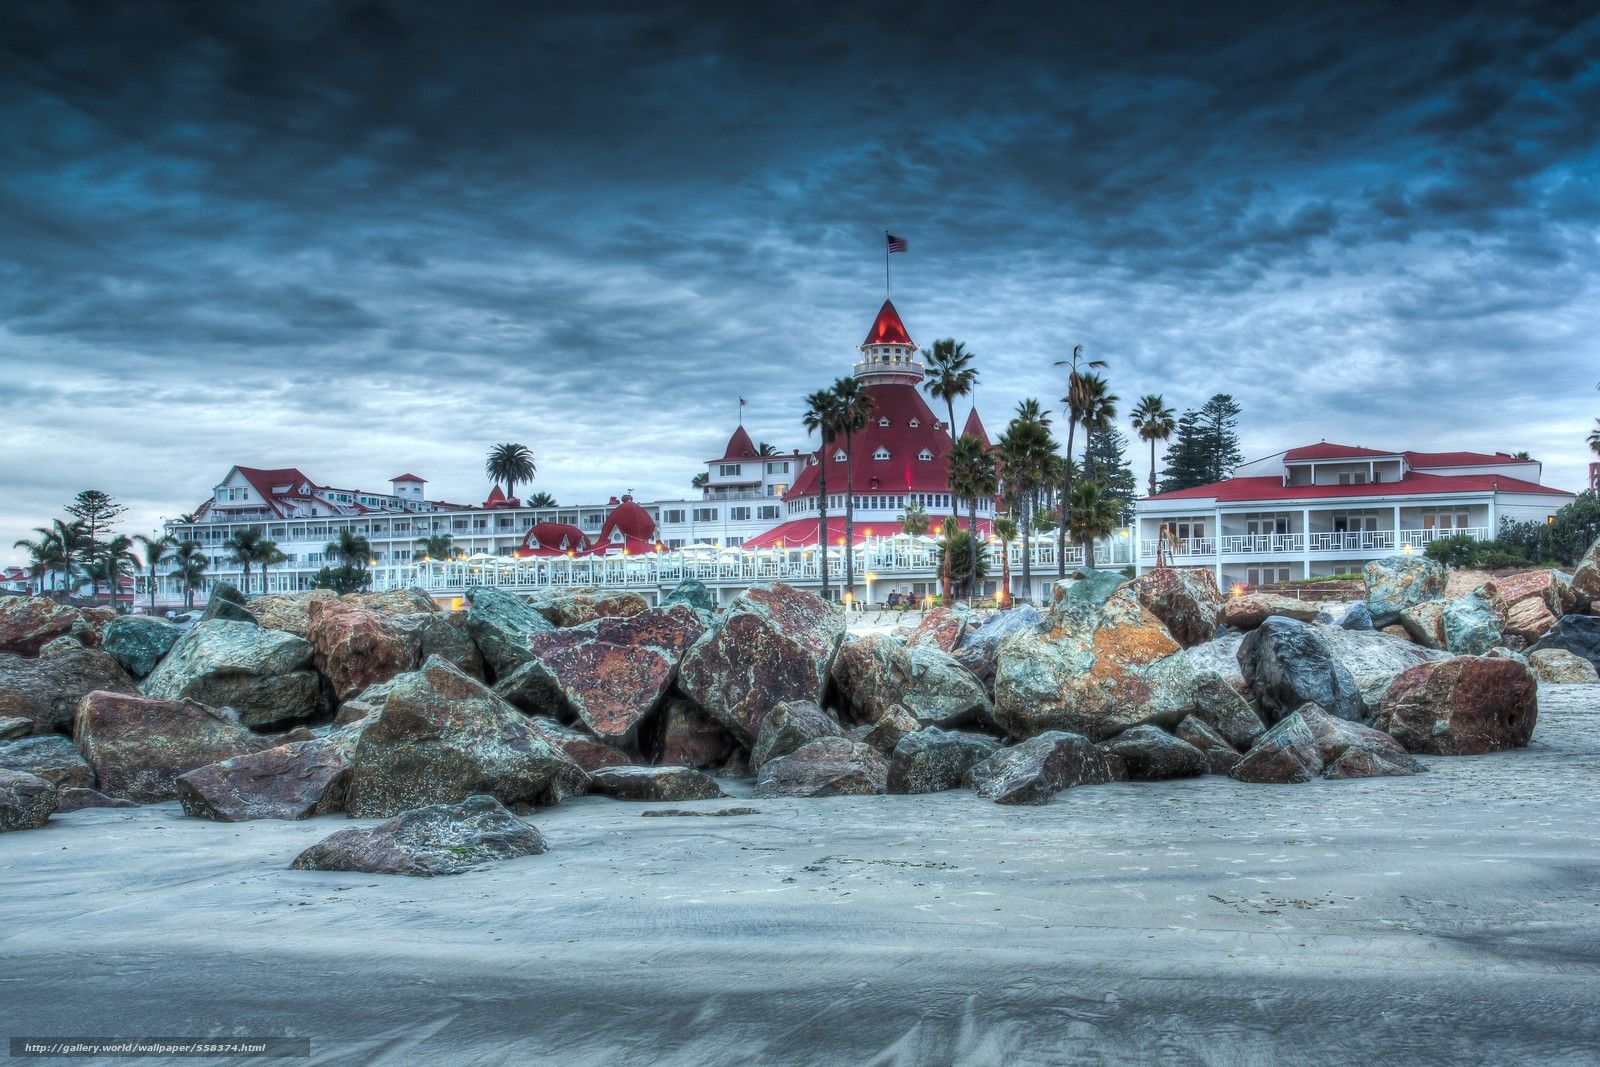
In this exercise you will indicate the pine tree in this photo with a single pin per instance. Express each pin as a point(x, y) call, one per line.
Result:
point(1205, 448)
point(1109, 460)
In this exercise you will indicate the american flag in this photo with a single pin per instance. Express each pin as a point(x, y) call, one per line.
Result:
point(896, 244)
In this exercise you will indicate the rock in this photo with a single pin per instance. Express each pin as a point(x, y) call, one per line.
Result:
point(1037, 769)
point(1151, 755)
point(502, 624)
point(654, 783)
point(357, 647)
point(1220, 706)
point(1220, 654)
point(76, 798)
point(772, 644)
point(932, 760)
point(27, 623)
point(574, 607)
point(1221, 757)
point(1396, 631)
point(580, 746)
point(264, 675)
point(138, 642)
point(1368, 763)
point(1528, 602)
point(293, 781)
point(1286, 754)
point(941, 628)
point(1585, 585)
point(1374, 659)
point(1186, 601)
point(1335, 737)
point(290, 612)
point(1395, 583)
point(979, 647)
point(886, 733)
point(1357, 617)
point(791, 725)
point(52, 757)
point(1249, 610)
point(440, 737)
point(1578, 634)
point(1085, 588)
point(366, 703)
point(434, 840)
point(877, 672)
point(138, 746)
point(1471, 627)
point(13, 726)
point(1461, 707)
point(610, 673)
point(445, 634)
point(396, 602)
point(46, 691)
point(692, 593)
point(1557, 666)
point(1287, 663)
point(26, 801)
point(691, 738)
point(826, 767)
point(60, 646)
point(226, 604)
point(1528, 620)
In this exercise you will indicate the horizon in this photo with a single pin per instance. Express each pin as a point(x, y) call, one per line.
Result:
point(360, 241)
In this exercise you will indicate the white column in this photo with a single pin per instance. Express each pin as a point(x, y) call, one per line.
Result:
point(1305, 551)
point(1397, 527)
point(1216, 542)
point(1494, 527)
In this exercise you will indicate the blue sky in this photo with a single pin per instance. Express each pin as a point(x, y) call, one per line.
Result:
point(367, 238)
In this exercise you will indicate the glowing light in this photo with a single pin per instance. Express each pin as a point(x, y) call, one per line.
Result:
point(1238, 589)
point(1407, 549)
point(841, 540)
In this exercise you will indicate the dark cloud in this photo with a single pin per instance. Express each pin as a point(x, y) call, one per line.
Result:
point(366, 236)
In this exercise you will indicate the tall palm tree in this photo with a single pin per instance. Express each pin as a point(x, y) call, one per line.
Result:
point(244, 548)
point(269, 555)
point(117, 561)
point(950, 374)
point(1005, 529)
point(914, 521)
point(1091, 516)
point(45, 558)
point(436, 546)
point(156, 549)
point(972, 477)
point(351, 549)
point(540, 500)
point(1155, 422)
point(820, 417)
point(61, 546)
point(1594, 438)
point(1031, 409)
point(765, 449)
point(852, 410)
point(509, 464)
point(190, 570)
point(700, 481)
point(1028, 458)
point(1076, 400)
point(1099, 412)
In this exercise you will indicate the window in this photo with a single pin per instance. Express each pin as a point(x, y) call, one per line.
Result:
point(740, 514)
point(705, 514)
point(728, 470)
point(838, 455)
point(881, 453)
point(1358, 478)
point(915, 423)
point(673, 515)
point(778, 468)
point(676, 542)
point(734, 542)
point(769, 511)
point(925, 455)
point(883, 420)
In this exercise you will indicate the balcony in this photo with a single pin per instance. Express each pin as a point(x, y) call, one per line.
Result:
point(1326, 543)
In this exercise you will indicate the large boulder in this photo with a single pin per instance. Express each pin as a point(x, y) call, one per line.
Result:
point(1221, 757)
point(942, 628)
point(980, 646)
point(441, 737)
point(826, 767)
point(579, 746)
point(28, 623)
point(52, 757)
point(445, 634)
point(886, 733)
point(264, 675)
point(1186, 601)
point(1578, 634)
point(692, 593)
point(1351, 750)
point(1528, 602)
point(138, 642)
point(610, 673)
point(654, 783)
point(877, 672)
point(1374, 658)
point(393, 601)
point(1466, 625)
point(225, 603)
point(1462, 706)
point(932, 760)
point(1223, 708)
point(574, 607)
point(76, 798)
point(1287, 663)
point(290, 612)
point(773, 643)
point(138, 746)
point(1287, 754)
point(434, 840)
point(1528, 620)
point(1087, 588)
point(293, 781)
point(502, 624)
point(791, 725)
point(357, 646)
point(1557, 666)
point(1150, 754)
point(1585, 585)
point(1037, 769)
point(1395, 583)
point(1249, 610)
point(690, 738)
point(1357, 617)
point(46, 691)
point(26, 801)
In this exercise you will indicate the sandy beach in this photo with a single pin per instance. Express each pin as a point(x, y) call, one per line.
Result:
point(1448, 917)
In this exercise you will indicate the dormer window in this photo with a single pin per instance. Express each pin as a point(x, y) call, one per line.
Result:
point(915, 423)
point(884, 421)
point(925, 455)
point(881, 453)
point(839, 456)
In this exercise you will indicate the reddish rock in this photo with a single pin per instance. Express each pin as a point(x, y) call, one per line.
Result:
point(941, 627)
point(575, 607)
point(894, 724)
point(1250, 610)
point(393, 601)
point(293, 781)
point(826, 767)
point(691, 738)
point(583, 748)
point(28, 623)
point(1528, 619)
point(138, 746)
point(877, 672)
point(773, 643)
point(1585, 587)
point(76, 798)
point(1287, 754)
point(1462, 706)
point(358, 646)
point(1186, 601)
point(46, 691)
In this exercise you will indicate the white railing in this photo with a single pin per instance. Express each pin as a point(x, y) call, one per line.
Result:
point(1353, 542)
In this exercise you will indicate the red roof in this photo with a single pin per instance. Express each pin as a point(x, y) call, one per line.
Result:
point(638, 529)
point(739, 446)
point(1271, 487)
point(498, 499)
point(974, 427)
point(1458, 459)
point(266, 481)
point(553, 539)
point(888, 329)
point(802, 533)
point(1326, 450)
point(408, 478)
point(902, 472)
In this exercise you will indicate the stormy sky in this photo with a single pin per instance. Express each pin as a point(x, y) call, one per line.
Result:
point(367, 238)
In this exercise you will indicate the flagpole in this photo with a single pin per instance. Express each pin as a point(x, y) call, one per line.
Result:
point(886, 294)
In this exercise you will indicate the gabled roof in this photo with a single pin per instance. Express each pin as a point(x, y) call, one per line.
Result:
point(1328, 450)
point(407, 478)
point(887, 329)
point(902, 472)
point(268, 481)
point(739, 446)
point(1271, 487)
point(974, 427)
point(638, 529)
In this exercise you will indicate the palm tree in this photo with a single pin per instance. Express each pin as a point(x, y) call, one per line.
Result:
point(1005, 529)
point(509, 464)
point(950, 374)
point(764, 449)
point(436, 546)
point(972, 477)
point(700, 481)
point(191, 569)
point(269, 555)
point(1099, 411)
point(1031, 409)
point(60, 547)
point(351, 549)
point(1594, 438)
point(44, 557)
point(1091, 516)
point(1028, 460)
point(156, 549)
point(116, 562)
point(852, 410)
point(821, 418)
point(1076, 400)
point(540, 500)
point(244, 548)
point(1155, 422)
point(914, 521)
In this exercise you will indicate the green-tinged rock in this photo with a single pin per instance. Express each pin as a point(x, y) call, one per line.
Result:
point(264, 675)
point(1288, 663)
point(502, 624)
point(877, 672)
point(826, 767)
point(26, 801)
point(1037, 769)
point(138, 642)
point(1395, 583)
point(789, 726)
point(654, 784)
point(932, 760)
point(52, 757)
point(1287, 754)
point(1150, 754)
